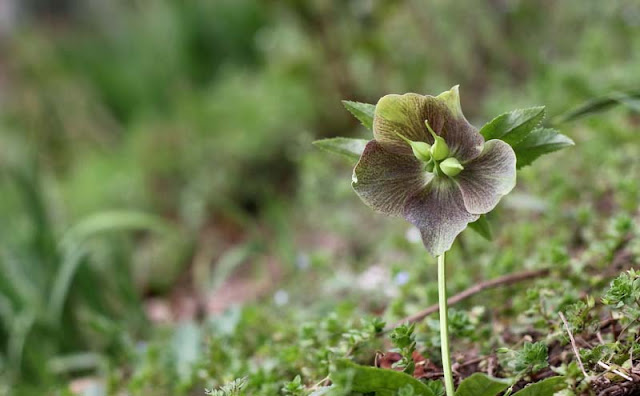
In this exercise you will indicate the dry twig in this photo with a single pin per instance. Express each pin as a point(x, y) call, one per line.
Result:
point(573, 345)
point(500, 281)
point(609, 368)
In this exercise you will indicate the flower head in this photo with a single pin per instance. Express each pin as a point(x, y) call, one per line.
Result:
point(428, 164)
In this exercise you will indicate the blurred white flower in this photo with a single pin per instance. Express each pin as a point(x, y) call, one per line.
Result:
point(401, 278)
point(413, 235)
point(281, 297)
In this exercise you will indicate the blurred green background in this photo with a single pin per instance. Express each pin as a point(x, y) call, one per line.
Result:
point(160, 197)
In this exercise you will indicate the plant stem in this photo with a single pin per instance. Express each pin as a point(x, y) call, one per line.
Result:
point(444, 327)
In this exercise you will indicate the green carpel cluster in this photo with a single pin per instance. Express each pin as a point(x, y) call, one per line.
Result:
point(436, 156)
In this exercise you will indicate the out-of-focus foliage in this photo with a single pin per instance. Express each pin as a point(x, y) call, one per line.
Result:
point(201, 113)
point(53, 320)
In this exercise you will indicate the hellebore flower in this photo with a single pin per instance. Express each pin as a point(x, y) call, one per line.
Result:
point(428, 164)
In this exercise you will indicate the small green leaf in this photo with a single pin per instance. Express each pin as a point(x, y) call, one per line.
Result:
point(436, 386)
point(545, 387)
point(533, 356)
point(362, 111)
point(623, 290)
point(233, 388)
point(480, 384)
point(630, 99)
point(350, 148)
point(514, 126)
point(482, 227)
point(363, 379)
point(539, 142)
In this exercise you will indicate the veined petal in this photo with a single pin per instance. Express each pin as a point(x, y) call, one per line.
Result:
point(406, 115)
point(383, 180)
point(488, 177)
point(401, 114)
point(463, 139)
point(439, 213)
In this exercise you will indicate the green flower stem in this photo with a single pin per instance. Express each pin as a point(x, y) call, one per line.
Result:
point(444, 327)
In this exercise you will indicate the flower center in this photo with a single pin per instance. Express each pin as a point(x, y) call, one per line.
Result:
point(451, 167)
point(441, 161)
point(436, 156)
point(439, 150)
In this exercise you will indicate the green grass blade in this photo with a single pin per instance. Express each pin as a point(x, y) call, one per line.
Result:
point(630, 99)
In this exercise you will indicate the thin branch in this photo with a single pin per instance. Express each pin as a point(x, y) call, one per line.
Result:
point(609, 368)
point(625, 328)
point(574, 346)
point(500, 281)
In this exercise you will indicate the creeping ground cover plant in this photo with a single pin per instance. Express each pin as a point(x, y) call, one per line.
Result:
point(428, 164)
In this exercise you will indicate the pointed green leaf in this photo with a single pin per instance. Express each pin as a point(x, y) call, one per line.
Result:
point(545, 387)
point(482, 227)
point(480, 384)
point(349, 375)
point(436, 386)
point(514, 126)
point(350, 148)
point(362, 111)
point(539, 142)
point(630, 99)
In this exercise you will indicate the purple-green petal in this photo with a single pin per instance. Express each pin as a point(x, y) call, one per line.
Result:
point(383, 179)
point(439, 213)
point(406, 115)
point(487, 178)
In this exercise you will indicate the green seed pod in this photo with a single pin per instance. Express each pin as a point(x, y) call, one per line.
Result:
point(421, 150)
point(439, 150)
point(451, 167)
